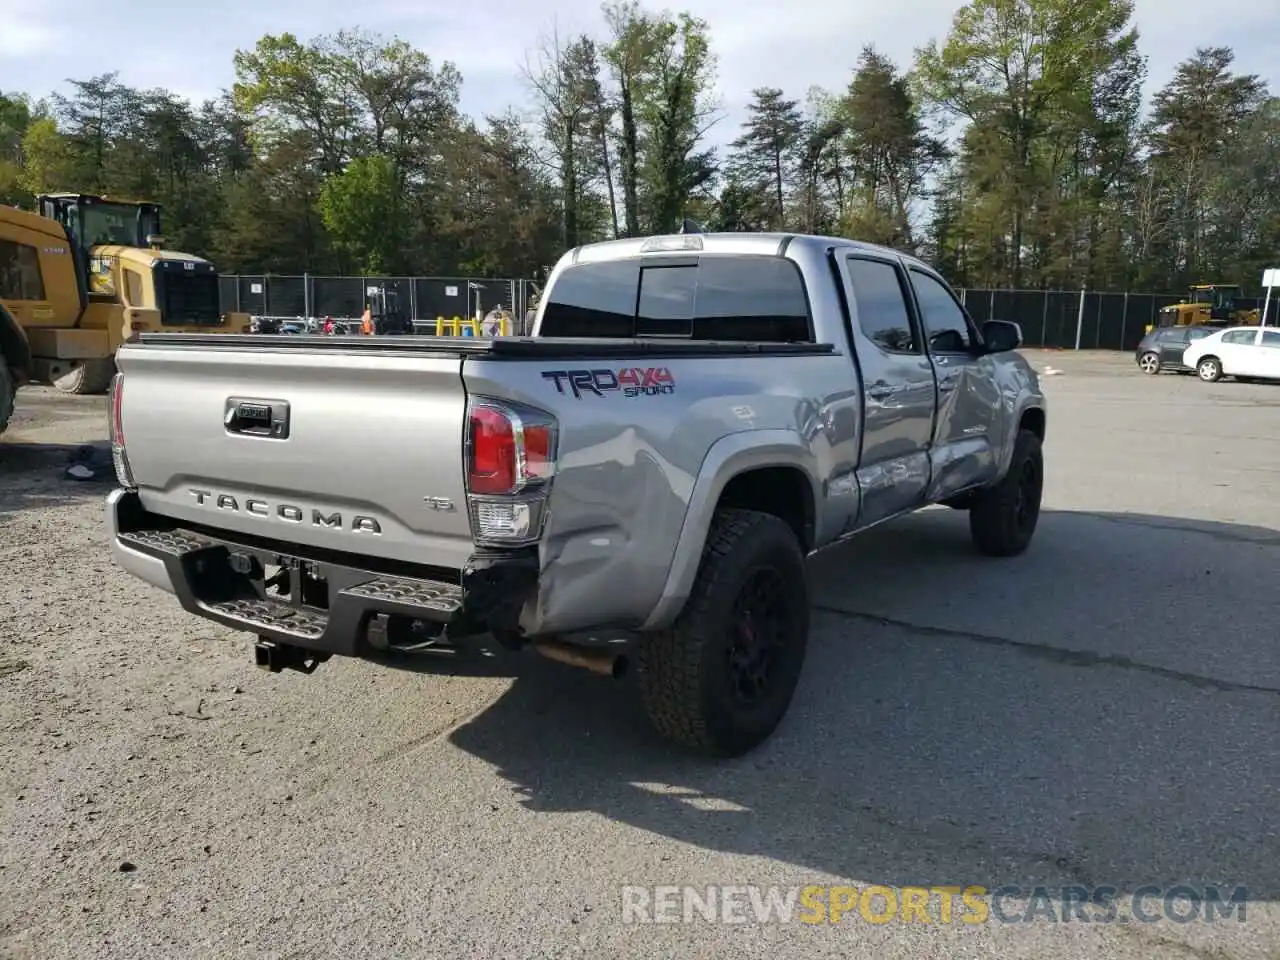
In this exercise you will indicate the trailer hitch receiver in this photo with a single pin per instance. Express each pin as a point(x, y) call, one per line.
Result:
point(275, 657)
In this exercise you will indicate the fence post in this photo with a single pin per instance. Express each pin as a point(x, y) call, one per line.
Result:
point(306, 296)
point(1124, 320)
point(266, 295)
point(991, 310)
point(413, 300)
point(1080, 318)
point(1044, 318)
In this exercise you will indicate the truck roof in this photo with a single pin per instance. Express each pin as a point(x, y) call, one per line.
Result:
point(760, 244)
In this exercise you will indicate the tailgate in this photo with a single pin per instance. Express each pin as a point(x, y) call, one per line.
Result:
point(369, 458)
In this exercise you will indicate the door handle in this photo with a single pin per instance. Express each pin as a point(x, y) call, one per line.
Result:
point(946, 384)
point(880, 390)
point(257, 418)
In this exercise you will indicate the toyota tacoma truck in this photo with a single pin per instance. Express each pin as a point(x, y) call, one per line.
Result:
point(636, 484)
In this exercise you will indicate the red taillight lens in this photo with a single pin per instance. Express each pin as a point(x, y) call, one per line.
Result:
point(537, 451)
point(493, 452)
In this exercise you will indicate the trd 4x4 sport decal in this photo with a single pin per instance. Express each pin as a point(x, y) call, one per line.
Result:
point(630, 381)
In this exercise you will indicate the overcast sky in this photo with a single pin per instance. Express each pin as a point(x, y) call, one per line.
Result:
point(758, 42)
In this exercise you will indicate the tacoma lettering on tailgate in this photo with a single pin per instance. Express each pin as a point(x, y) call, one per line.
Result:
point(630, 381)
point(288, 512)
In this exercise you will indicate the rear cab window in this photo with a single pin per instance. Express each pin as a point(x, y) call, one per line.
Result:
point(757, 299)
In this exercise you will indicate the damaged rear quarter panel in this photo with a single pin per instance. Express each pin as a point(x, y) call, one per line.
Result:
point(627, 466)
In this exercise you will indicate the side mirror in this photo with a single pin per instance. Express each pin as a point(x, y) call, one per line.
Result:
point(1001, 336)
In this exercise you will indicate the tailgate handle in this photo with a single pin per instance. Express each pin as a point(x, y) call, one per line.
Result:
point(257, 418)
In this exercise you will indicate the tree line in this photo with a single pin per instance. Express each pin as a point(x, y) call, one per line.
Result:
point(1014, 152)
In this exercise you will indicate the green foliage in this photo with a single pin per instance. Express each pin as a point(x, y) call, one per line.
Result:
point(361, 207)
point(1015, 151)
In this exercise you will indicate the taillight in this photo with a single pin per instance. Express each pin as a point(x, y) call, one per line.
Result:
point(493, 452)
point(119, 457)
point(509, 449)
point(510, 460)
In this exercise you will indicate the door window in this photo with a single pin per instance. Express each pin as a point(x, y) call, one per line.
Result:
point(1271, 338)
point(20, 272)
point(944, 319)
point(881, 305)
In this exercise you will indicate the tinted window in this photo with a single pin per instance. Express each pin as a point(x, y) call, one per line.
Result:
point(667, 297)
point(1270, 338)
point(756, 298)
point(593, 300)
point(1239, 336)
point(718, 298)
point(20, 272)
point(943, 319)
point(1197, 334)
point(882, 306)
point(1176, 336)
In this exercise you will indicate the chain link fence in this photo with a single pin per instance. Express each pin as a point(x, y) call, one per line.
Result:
point(422, 300)
point(1065, 319)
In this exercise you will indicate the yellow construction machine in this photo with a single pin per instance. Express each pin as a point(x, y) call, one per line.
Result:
point(1208, 303)
point(79, 276)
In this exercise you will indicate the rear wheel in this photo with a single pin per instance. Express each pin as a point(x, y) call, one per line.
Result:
point(8, 392)
point(1209, 369)
point(90, 377)
point(1004, 517)
point(721, 678)
point(1149, 363)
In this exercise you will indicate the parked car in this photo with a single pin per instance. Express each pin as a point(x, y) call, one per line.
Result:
point(1163, 347)
point(1246, 353)
point(638, 482)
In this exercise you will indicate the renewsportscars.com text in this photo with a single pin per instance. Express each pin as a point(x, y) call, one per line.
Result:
point(970, 905)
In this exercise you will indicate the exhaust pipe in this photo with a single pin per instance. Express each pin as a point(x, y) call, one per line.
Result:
point(602, 662)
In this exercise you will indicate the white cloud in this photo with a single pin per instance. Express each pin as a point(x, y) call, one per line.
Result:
point(757, 42)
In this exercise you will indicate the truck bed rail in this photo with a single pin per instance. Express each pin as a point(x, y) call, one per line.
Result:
point(497, 348)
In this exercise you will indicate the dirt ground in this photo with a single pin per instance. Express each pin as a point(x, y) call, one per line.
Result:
point(1102, 711)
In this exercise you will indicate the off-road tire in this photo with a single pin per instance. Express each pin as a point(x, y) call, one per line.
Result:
point(1003, 518)
point(8, 392)
point(683, 673)
point(90, 378)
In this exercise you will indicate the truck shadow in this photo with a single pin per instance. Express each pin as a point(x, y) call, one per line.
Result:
point(1101, 711)
point(32, 477)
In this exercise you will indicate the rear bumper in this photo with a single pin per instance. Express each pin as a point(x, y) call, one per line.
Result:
point(350, 606)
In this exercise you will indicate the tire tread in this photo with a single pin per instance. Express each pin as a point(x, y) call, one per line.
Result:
point(670, 660)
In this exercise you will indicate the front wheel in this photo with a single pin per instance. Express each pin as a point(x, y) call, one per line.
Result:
point(1209, 370)
point(1003, 518)
point(720, 679)
point(1149, 363)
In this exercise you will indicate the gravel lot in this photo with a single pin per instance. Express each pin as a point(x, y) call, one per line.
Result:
point(1103, 710)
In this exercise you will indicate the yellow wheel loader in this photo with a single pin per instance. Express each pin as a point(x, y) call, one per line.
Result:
point(81, 275)
point(1208, 303)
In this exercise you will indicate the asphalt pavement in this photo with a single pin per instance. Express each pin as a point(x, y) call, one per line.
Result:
point(1099, 714)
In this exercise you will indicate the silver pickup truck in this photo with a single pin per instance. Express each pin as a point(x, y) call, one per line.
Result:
point(639, 482)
